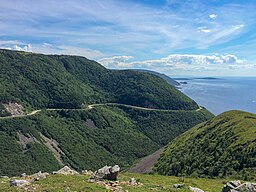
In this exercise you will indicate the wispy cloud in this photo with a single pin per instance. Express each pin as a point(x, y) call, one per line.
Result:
point(47, 48)
point(132, 28)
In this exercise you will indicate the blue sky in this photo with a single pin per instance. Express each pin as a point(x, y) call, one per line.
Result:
point(190, 37)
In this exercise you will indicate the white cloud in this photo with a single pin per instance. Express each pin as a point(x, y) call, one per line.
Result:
point(27, 48)
point(213, 16)
point(47, 48)
point(179, 63)
point(236, 27)
point(172, 60)
point(219, 36)
point(11, 45)
point(116, 61)
point(9, 42)
point(205, 30)
point(47, 45)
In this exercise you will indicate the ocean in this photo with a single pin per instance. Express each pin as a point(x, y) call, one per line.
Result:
point(222, 94)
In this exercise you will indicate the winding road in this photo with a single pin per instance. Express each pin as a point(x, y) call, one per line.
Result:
point(89, 107)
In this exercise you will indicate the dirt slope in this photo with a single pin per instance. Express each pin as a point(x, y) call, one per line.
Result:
point(145, 165)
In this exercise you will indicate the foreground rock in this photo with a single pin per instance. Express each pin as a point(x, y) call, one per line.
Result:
point(39, 176)
point(116, 186)
point(66, 171)
point(195, 189)
point(27, 180)
point(231, 185)
point(237, 186)
point(87, 172)
point(107, 172)
point(178, 186)
point(19, 183)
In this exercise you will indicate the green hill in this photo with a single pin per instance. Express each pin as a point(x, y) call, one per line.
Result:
point(168, 79)
point(224, 146)
point(77, 135)
point(54, 81)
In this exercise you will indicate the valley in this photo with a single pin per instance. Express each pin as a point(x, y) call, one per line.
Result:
point(80, 114)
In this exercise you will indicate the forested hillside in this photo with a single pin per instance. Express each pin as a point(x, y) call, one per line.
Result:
point(87, 139)
point(54, 81)
point(222, 147)
point(168, 79)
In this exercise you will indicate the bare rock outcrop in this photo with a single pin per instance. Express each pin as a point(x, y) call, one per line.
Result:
point(14, 109)
point(24, 140)
point(54, 147)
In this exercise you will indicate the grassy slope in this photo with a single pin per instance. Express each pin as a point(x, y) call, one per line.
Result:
point(116, 137)
point(42, 81)
point(58, 183)
point(223, 146)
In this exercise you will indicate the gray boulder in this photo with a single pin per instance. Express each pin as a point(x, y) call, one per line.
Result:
point(248, 187)
point(106, 172)
point(23, 175)
point(236, 186)
point(132, 181)
point(39, 176)
point(178, 186)
point(195, 189)
point(66, 171)
point(231, 185)
point(19, 183)
point(87, 172)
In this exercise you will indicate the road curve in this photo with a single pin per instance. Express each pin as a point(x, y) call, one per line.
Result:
point(89, 107)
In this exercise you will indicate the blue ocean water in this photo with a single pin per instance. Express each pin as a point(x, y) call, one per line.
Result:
point(223, 94)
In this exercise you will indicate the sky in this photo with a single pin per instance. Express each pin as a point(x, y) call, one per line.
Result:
point(175, 37)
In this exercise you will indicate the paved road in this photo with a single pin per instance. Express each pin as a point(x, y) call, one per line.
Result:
point(89, 107)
